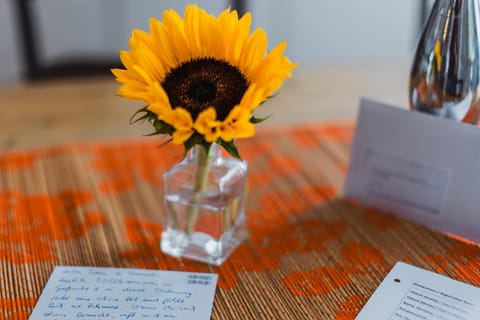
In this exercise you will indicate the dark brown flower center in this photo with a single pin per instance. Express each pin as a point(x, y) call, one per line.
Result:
point(200, 83)
point(202, 91)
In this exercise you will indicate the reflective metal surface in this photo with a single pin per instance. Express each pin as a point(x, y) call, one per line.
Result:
point(444, 79)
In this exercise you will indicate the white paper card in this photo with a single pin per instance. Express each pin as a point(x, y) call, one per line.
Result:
point(111, 293)
point(418, 166)
point(408, 292)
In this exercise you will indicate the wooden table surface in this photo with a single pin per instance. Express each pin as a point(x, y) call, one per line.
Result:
point(310, 254)
point(53, 112)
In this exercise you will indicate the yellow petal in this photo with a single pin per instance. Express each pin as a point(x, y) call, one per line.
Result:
point(160, 104)
point(151, 64)
point(244, 129)
point(126, 58)
point(205, 120)
point(167, 54)
point(176, 35)
point(252, 98)
point(273, 70)
point(129, 93)
point(192, 18)
point(238, 38)
point(253, 51)
point(207, 125)
point(181, 135)
point(239, 122)
point(181, 120)
point(225, 132)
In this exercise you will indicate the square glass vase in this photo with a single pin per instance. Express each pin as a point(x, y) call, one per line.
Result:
point(204, 196)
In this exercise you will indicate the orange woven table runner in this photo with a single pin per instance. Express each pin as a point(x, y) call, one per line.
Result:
point(309, 255)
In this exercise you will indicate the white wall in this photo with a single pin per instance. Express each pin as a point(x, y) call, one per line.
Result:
point(340, 31)
point(73, 27)
point(100, 26)
point(318, 31)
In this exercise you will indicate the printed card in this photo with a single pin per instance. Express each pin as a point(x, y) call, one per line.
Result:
point(408, 292)
point(417, 166)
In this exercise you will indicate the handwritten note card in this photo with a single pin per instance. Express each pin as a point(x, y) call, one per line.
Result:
point(110, 293)
point(408, 292)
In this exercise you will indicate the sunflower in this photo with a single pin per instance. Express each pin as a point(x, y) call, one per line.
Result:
point(201, 76)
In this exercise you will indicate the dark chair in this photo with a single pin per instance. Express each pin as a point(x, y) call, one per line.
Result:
point(30, 44)
point(240, 6)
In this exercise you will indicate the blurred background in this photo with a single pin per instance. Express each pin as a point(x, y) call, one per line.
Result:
point(38, 36)
point(56, 55)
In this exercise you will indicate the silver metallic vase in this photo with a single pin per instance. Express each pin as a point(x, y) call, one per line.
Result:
point(444, 79)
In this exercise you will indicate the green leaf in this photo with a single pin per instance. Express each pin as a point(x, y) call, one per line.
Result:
point(255, 120)
point(154, 133)
point(159, 126)
point(269, 97)
point(151, 116)
point(133, 118)
point(194, 140)
point(231, 148)
point(162, 127)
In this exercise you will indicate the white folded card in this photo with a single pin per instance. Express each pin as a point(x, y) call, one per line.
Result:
point(408, 292)
point(113, 293)
point(418, 166)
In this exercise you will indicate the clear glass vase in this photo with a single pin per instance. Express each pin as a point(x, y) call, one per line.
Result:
point(445, 74)
point(204, 206)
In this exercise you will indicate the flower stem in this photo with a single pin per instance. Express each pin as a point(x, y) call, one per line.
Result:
point(201, 182)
